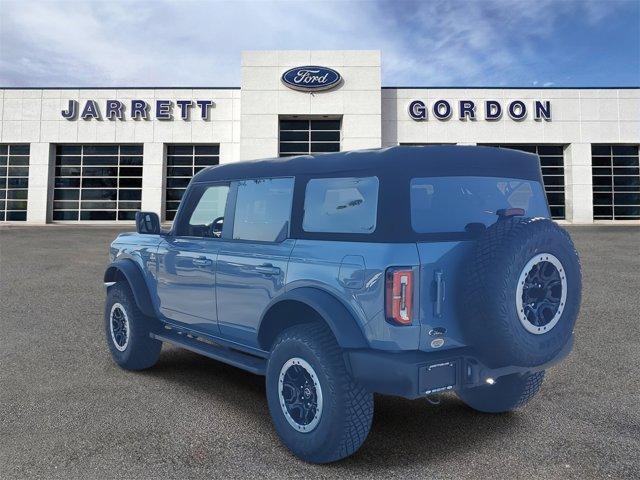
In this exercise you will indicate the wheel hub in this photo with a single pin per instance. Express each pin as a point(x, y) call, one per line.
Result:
point(541, 293)
point(300, 395)
point(119, 326)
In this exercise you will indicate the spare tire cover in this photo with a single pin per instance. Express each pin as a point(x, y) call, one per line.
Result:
point(522, 292)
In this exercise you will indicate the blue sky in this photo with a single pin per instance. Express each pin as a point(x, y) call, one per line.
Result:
point(429, 43)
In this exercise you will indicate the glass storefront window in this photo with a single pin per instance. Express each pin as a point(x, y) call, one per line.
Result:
point(304, 137)
point(97, 182)
point(14, 182)
point(183, 162)
point(616, 182)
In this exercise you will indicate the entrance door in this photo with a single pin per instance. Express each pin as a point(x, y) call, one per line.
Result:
point(187, 260)
point(252, 263)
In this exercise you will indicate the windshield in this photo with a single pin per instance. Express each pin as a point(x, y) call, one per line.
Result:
point(452, 204)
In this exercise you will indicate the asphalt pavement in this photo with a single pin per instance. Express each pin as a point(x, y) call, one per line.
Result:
point(67, 411)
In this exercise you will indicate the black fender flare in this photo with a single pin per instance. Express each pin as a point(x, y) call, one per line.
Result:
point(335, 314)
point(135, 278)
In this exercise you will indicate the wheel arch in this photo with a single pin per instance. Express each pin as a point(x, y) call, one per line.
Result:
point(314, 305)
point(127, 270)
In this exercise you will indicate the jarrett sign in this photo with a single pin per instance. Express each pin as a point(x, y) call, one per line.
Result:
point(137, 109)
point(490, 110)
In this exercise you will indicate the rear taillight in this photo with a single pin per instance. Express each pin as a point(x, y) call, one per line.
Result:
point(399, 295)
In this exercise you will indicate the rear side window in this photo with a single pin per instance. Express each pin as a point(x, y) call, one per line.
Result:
point(451, 204)
point(341, 205)
point(263, 209)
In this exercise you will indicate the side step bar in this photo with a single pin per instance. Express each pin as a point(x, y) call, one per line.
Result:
point(236, 358)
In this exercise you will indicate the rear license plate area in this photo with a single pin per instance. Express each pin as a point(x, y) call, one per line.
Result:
point(438, 377)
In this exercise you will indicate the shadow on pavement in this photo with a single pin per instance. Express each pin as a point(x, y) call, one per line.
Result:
point(403, 431)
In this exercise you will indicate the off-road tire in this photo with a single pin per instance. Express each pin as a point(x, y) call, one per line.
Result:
point(141, 350)
point(508, 393)
point(347, 409)
point(492, 325)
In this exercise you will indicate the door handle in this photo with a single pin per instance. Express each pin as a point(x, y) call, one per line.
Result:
point(202, 261)
point(268, 269)
point(440, 293)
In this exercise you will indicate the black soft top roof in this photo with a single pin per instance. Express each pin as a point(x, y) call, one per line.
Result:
point(432, 160)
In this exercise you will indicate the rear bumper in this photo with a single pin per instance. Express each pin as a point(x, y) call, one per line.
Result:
point(416, 374)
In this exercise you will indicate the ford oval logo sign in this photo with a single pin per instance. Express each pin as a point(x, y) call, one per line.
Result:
point(311, 78)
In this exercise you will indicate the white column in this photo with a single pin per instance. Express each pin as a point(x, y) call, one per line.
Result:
point(41, 168)
point(153, 179)
point(578, 183)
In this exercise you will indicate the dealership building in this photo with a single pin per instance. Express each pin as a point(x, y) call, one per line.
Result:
point(97, 155)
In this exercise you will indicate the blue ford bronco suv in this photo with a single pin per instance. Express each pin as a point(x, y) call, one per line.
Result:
point(402, 271)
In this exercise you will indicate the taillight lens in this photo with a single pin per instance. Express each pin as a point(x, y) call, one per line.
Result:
point(399, 295)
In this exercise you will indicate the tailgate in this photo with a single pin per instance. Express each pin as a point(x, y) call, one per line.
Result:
point(442, 266)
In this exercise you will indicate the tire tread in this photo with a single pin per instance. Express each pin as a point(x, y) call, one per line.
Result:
point(358, 401)
point(143, 351)
point(531, 388)
point(488, 279)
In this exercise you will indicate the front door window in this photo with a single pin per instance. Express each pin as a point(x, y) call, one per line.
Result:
point(208, 216)
point(204, 212)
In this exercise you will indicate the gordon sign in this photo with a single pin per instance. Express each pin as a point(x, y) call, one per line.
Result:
point(311, 78)
point(491, 110)
point(137, 109)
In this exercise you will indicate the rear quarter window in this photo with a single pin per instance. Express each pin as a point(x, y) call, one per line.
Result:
point(341, 205)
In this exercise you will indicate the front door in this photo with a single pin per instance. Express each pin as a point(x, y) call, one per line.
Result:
point(187, 260)
point(252, 262)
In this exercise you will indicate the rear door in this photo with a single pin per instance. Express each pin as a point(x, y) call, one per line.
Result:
point(252, 262)
point(187, 259)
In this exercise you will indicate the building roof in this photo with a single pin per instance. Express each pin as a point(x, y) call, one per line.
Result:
point(401, 161)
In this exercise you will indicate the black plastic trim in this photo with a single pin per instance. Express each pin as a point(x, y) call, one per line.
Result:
point(236, 358)
point(398, 373)
point(338, 318)
point(136, 281)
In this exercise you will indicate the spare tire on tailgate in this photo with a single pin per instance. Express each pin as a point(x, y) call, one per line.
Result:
point(523, 288)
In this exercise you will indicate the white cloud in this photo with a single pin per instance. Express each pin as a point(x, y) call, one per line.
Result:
point(194, 43)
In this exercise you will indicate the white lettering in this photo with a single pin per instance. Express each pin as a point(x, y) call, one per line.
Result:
point(310, 76)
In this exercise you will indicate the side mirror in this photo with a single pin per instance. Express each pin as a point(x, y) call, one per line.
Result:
point(215, 230)
point(148, 223)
